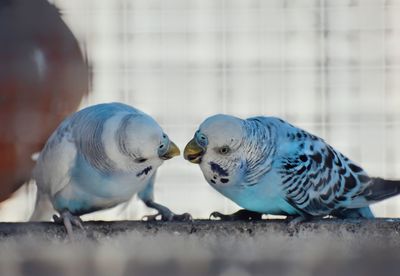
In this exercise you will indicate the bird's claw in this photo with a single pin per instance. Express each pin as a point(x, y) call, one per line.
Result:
point(69, 220)
point(244, 215)
point(57, 219)
point(182, 217)
point(293, 221)
point(168, 217)
point(151, 217)
point(218, 215)
point(75, 221)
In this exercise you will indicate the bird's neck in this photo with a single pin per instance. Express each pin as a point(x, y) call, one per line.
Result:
point(258, 148)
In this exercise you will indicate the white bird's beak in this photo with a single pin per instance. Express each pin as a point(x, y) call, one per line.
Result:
point(173, 151)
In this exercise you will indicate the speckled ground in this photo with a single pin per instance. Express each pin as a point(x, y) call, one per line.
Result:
point(268, 247)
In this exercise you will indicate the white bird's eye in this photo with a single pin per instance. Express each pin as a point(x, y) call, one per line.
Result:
point(224, 150)
point(140, 160)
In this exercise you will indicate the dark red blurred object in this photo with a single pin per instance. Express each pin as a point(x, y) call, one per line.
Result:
point(43, 77)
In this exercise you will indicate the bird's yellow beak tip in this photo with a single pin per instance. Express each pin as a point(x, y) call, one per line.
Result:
point(193, 152)
point(172, 151)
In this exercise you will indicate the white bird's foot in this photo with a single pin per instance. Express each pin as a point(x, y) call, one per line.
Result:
point(69, 220)
point(181, 217)
point(239, 215)
point(164, 213)
point(168, 216)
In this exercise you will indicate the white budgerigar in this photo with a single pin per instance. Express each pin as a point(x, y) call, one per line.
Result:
point(269, 166)
point(100, 157)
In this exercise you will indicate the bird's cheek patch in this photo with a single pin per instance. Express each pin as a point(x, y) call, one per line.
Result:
point(215, 168)
point(144, 172)
point(222, 180)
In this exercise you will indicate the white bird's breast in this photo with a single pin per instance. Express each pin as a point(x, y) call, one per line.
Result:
point(89, 190)
point(113, 185)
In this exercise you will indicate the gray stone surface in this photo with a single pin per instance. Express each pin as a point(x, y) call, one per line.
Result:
point(377, 227)
point(269, 247)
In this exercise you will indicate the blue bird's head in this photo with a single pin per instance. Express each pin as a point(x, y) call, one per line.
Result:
point(216, 147)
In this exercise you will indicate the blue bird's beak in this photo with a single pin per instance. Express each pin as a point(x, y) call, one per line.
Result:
point(194, 152)
point(172, 151)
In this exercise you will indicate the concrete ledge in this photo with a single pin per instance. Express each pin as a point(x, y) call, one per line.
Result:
point(269, 247)
point(98, 229)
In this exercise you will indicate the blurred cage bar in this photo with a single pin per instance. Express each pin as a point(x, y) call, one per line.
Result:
point(329, 66)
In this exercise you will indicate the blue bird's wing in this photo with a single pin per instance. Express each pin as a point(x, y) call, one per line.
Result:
point(316, 178)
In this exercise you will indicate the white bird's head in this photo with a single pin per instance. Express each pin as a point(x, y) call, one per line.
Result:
point(140, 144)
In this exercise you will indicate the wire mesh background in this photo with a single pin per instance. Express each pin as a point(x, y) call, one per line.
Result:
point(329, 66)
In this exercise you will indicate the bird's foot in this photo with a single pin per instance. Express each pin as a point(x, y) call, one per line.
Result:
point(182, 217)
point(239, 215)
point(168, 216)
point(164, 213)
point(69, 220)
point(289, 218)
point(296, 220)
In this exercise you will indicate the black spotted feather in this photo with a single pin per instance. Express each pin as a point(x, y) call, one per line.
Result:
point(317, 179)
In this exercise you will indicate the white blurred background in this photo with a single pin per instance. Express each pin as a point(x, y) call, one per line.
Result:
point(329, 66)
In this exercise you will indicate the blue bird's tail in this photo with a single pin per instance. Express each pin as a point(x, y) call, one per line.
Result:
point(380, 189)
point(357, 213)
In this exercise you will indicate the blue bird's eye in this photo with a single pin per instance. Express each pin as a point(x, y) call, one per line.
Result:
point(224, 150)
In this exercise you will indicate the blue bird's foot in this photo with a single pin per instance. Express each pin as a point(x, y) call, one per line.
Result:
point(293, 221)
point(289, 218)
point(69, 220)
point(296, 220)
point(243, 214)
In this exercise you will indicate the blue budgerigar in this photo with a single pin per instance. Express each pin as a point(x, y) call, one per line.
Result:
point(99, 157)
point(269, 166)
